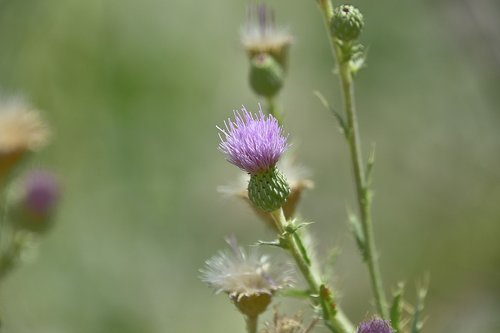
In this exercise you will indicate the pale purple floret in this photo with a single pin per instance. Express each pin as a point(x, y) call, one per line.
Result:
point(375, 325)
point(42, 192)
point(252, 142)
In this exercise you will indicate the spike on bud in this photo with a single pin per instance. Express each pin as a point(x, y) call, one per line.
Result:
point(266, 75)
point(346, 23)
point(268, 190)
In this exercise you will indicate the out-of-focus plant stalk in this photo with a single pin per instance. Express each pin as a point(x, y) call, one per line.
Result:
point(273, 110)
point(362, 188)
point(333, 316)
point(252, 323)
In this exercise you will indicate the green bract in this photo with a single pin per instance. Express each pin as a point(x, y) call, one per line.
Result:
point(268, 190)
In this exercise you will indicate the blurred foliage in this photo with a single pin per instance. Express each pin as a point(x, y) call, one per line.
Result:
point(134, 90)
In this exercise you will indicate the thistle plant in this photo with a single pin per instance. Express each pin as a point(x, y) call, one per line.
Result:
point(255, 142)
point(28, 200)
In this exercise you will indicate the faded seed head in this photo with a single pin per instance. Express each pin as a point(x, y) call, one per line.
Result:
point(260, 35)
point(21, 130)
point(250, 279)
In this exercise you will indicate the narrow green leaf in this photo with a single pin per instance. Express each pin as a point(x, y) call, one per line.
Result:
point(294, 293)
point(417, 322)
point(280, 242)
point(340, 119)
point(357, 231)
point(396, 308)
point(369, 165)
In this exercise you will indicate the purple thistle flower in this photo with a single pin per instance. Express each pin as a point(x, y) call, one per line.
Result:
point(41, 192)
point(375, 325)
point(252, 142)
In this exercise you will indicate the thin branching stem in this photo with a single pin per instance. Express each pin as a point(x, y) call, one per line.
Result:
point(333, 316)
point(362, 189)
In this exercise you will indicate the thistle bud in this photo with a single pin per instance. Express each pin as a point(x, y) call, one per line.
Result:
point(346, 23)
point(268, 190)
point(266, 75)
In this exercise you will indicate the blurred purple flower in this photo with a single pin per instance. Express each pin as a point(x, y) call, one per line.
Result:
point(41, 192)
point(375, 325)
point(252, 142)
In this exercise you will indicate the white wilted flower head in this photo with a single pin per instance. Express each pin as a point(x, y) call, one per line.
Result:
point(249, 278)
point(260, 35)
point(21, 130)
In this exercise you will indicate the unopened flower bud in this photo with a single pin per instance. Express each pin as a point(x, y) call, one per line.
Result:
point(268, 190)
point(266, 75)
point(346, 23)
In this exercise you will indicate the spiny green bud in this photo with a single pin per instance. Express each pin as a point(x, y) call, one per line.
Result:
point(346, 23)
point(268, 190)
point(266, 75)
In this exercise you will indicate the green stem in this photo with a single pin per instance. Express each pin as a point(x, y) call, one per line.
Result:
point(362, 190)
point(333, 316)
point(252, 323)
point(273, 110)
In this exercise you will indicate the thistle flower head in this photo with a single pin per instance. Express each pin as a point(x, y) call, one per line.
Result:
point(21, 127)
point(41, 192)
point(240, 273)
point(254, 143)
point(21, 130)
point(249, 279)
point(260, 35)
point(375, 325)
point(36, 196)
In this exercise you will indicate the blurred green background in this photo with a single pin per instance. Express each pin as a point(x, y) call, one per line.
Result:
point(133, 91)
